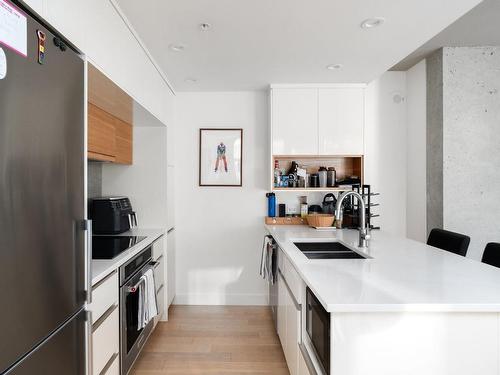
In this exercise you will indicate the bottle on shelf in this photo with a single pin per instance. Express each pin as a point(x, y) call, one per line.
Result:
point(277, 174)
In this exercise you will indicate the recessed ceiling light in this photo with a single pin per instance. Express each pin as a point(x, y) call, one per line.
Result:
point(190, 80)
point(334, 66)
point(371, 23)
point(177, 47)
point(205, 26)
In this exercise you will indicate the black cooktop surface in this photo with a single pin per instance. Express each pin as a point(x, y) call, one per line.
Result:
point(108, 247)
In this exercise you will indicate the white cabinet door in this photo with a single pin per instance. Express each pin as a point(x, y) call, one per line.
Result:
point(282, 300)
point(69, 17)
point(295, 121)
point(292, 335)
point(170, 267)
point(37, 6)
point(341, 121)
point(170, 196)
point(303, 370)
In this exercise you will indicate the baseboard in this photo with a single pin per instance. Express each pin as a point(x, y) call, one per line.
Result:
point(221, 299)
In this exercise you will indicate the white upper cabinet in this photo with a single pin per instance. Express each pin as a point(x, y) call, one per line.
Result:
point(97, 28)
point(341, 121)
point(70, 17)
point(295, 121)
point(321, 120)
point(36, 5)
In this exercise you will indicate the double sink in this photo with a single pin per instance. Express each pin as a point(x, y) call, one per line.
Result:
point(327, 250)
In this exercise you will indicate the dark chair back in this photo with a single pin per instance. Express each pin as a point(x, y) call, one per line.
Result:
point(491, 254)
point(450, 241)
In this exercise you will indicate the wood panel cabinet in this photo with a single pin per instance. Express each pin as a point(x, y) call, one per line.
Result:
point(124, 142)
point(110, 133)
point(101, 134)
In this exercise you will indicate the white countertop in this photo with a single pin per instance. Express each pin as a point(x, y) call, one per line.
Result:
point(103, 267)
point(402, 275)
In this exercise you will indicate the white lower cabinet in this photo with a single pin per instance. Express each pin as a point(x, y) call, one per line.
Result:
point(289, 320)
point(292, 335)
point(170, 287)
point(302, 366)
point(105, 340)
point(282, 294)
point(114, 368)
point(105, 326)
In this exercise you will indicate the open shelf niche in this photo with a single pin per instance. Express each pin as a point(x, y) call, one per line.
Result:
point(345, 166)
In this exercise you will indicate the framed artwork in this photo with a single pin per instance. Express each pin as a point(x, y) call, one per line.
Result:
point(221, 157)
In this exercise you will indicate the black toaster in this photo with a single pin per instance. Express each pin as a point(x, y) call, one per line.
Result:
point(111, 215)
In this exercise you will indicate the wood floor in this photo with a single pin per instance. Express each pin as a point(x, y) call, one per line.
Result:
point(213, 340)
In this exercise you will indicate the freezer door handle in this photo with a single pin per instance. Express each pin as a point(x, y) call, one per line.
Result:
point(88, 262)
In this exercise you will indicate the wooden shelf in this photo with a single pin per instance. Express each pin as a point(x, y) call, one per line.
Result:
point(345, 166)
point(298, 190)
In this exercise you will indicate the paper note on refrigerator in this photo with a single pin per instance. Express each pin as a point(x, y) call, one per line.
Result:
point(13, 28)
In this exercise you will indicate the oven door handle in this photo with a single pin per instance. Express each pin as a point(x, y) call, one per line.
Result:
point(134, 288)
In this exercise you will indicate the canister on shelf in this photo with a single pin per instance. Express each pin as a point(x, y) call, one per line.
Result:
point(314, 180)
point(331, 177)
point(322, 173)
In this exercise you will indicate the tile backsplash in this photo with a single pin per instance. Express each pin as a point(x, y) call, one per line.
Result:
point(94, 179)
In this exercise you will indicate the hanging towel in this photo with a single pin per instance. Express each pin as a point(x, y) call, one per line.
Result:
point(148, 308)
point(266, 261)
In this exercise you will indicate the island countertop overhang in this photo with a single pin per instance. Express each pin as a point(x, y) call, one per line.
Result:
point(400, 275)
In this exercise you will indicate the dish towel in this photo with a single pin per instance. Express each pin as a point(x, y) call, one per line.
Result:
point(266, 261)
point(148, 308)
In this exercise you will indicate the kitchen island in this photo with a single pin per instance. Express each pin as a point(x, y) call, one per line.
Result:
point(407, 308)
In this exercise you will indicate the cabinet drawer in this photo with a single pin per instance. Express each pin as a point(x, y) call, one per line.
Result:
point(281, 261)
point(105, 340)
point(104, 295)
point(160, 301)
point(114, 369)
point(292, 278)
point(157, 248)
point(303, 369)
point(159, 273)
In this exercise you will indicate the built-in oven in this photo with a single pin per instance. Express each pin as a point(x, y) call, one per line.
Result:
point(132, 338)
point(318, 329)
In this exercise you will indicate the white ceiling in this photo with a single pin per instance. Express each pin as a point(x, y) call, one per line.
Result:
point(254, 43)
point(479, 27)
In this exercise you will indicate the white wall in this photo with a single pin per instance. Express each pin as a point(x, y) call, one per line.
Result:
point(416, 213)
point(385, 149)
point(144, 182)
point(219, 231)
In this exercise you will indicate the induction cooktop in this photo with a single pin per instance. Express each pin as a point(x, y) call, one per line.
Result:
point(108, 247)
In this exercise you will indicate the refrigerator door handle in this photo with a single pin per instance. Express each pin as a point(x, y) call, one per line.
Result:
point(88, 262)
point(88, 344)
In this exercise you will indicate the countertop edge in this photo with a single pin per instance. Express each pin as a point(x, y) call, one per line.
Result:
point(151, 236)
point(384, 307)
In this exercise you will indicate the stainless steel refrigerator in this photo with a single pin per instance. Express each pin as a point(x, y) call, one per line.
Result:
point(43, 257)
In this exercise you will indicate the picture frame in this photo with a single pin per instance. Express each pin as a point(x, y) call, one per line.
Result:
point(221, 157)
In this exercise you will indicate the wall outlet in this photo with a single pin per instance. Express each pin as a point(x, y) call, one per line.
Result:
point(292, 210)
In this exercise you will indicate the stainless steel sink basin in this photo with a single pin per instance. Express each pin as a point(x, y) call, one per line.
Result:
point(327, 250)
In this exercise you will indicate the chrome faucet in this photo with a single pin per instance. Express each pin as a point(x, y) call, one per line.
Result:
point(364, 234)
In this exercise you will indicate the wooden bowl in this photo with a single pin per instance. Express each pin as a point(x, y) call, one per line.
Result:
point(320, 220)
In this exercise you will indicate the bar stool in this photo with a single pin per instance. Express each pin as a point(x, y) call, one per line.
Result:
point(491, 254)
point(450, 241)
